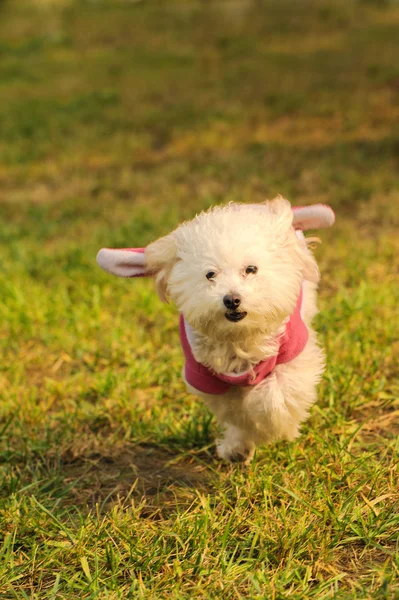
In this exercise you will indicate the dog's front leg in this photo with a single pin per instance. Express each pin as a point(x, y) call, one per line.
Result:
point(235, 445)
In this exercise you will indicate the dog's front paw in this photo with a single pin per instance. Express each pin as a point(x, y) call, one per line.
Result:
point(241, 452)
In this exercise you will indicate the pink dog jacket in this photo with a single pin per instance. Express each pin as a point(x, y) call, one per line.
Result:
point(292, 342)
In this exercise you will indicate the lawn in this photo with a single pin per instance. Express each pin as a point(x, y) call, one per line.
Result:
point(118, 120)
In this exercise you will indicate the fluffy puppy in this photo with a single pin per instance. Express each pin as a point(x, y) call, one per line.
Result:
point(244, 282)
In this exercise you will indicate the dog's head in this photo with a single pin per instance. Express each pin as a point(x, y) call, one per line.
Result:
point(230, 269)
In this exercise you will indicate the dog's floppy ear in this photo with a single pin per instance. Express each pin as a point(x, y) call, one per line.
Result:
point(308, 264)
point(160, 257)
point(315, 216)
point(310, 269)
point(123, 262)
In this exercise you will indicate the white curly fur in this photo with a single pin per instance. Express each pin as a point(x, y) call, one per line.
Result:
point(226, 240)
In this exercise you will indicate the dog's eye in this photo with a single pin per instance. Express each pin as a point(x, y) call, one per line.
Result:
point(211, 275)
point(251, 269)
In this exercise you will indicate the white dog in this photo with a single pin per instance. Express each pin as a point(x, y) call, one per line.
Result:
point(245, 284)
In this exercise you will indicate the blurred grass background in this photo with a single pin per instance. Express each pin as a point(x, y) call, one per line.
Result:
point(118, 120)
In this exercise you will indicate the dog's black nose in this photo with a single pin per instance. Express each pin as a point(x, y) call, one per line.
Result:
point(232, 301)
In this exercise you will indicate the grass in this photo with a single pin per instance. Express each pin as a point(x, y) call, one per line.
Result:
point(117, 121)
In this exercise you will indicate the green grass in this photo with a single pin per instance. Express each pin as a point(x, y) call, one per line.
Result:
point(117, 121)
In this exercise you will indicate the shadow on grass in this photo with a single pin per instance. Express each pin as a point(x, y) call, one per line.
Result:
point(147, 473)
point(96, 470)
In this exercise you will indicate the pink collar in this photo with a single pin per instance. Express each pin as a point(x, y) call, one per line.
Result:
point(205, 380)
